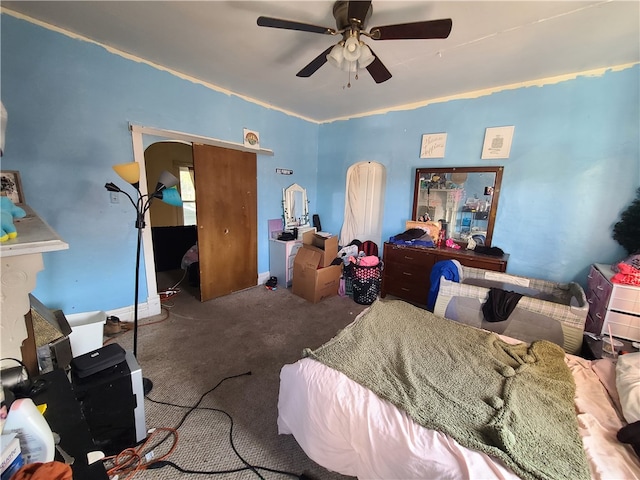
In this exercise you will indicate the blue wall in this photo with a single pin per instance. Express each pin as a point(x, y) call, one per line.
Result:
point(69, 104)
point(574, 166)
point(574, 163)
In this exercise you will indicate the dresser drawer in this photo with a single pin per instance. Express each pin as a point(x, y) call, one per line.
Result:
point(292, 255)
point(408, 290)
point(593, 324)
point(476, 262)
point(408, 256)
point(598, 284)
point(597, 311)
point(625, 299)
point(597, 305)
point(622, 325)
point(402, 272)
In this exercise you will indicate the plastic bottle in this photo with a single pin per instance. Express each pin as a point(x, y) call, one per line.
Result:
point(33, 431)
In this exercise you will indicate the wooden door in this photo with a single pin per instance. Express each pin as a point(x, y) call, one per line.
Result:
point(226, 199)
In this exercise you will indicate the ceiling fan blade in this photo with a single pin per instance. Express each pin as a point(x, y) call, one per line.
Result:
point(289, 25)
point(417, 30)
point(378, 71)
point(315, 64)
point(358, 9)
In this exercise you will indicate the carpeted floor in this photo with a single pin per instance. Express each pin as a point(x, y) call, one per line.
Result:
point(189, 348)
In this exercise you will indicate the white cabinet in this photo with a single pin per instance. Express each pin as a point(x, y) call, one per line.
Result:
point(615, 304)
point(281, 257)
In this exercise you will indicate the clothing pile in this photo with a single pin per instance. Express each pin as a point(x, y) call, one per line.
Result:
point(413, 237)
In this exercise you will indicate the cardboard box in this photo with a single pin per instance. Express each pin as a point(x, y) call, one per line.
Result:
point(326, 246)
point(310, 282)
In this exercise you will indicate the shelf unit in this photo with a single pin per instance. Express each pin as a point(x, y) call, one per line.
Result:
point(612, 305)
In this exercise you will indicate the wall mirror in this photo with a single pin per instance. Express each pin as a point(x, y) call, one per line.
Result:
point(295, 207)
point(463, 199)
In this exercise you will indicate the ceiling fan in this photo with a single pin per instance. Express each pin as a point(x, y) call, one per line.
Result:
point(351, 53)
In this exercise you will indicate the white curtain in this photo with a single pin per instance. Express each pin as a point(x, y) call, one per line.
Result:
point(352, 211)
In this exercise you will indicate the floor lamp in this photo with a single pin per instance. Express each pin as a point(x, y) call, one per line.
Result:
point(165, 190)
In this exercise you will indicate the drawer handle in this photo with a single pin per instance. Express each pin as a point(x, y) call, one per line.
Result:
point(598, 315)
point(599, 288)
point(589, 276)
point(405, 289)
point(408, 258)
point(590, 301)
point(408, 274)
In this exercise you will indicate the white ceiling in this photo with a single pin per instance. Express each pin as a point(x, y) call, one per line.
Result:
point(491, 44)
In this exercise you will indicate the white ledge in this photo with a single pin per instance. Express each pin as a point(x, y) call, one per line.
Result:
point(34, 236)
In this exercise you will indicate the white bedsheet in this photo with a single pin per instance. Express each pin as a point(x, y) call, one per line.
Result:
point(347, 429)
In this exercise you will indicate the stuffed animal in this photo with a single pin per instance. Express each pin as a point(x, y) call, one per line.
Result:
point(9, 211)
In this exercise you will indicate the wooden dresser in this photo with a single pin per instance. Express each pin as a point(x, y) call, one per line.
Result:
point(612, 304)
point(407, 270)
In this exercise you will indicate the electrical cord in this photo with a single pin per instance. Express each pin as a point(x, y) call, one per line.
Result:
point(160, 463)
point(184, 275)
point(174, 290)
point(132, 460)
point(21, 363)
point(14, 381)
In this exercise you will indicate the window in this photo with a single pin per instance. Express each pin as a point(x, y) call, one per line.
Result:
point(188, 194)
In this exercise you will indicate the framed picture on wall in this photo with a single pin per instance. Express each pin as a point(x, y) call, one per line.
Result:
point(497, 142)
point(251, 138)
point(11, 186)
point(432, 145)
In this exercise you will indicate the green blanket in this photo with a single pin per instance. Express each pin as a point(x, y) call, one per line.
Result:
point(513, 402)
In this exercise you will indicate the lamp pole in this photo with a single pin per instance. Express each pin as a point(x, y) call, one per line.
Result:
point(164, 191)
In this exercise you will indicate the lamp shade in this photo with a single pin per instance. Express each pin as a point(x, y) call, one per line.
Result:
point(335, 56)
point(351, 49)
point(366, 57)
point(170, 196)
point(129, 172)
point(166, 180)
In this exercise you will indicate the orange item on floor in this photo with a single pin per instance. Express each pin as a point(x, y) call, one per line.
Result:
point(44, 471)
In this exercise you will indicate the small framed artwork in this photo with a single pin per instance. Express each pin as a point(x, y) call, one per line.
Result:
point(12, 186)
point(433, 145)
point(497, 142)
point(251, 138)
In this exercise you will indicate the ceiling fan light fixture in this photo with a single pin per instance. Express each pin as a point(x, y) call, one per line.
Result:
point(351, 49)
point(349, 67)
point(335, 57)
point(366, 57)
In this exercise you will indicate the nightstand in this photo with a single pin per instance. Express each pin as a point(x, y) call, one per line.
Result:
point(612, 305)
point(592, 346)
point(281, 256)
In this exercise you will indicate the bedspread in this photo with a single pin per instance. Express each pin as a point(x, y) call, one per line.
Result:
point(514, 402)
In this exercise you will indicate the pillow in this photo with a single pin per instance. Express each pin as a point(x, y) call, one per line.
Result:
point(628, 385)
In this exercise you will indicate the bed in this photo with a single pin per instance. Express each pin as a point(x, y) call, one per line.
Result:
point(344, 426)
point(548, 310)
